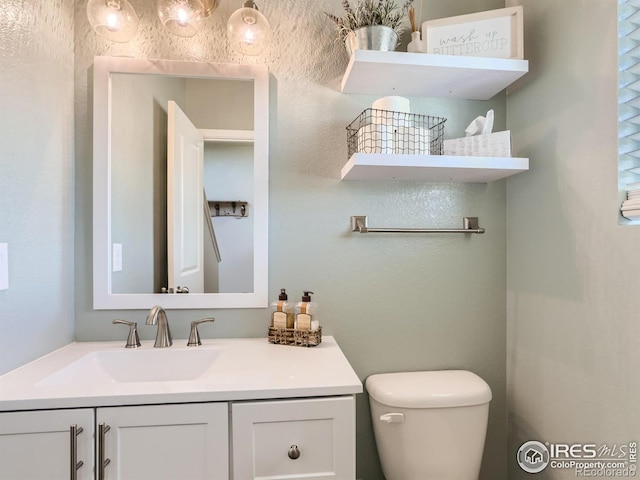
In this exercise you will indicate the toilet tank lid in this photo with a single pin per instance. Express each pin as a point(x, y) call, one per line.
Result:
point(434, 389)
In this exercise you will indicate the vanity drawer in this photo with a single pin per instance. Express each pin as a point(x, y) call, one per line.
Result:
point(267, 437)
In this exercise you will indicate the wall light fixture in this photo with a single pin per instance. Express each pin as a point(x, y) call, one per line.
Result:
point(115, 20)
point(183, 17)
point(248, 30)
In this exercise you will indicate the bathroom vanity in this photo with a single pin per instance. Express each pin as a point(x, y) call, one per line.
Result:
point(230, 409)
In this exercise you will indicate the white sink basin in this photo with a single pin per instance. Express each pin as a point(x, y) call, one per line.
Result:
point(139, 366)
point(103, 374)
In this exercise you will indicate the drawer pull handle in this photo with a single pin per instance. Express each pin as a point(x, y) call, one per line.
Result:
point(74, 431)
point(102, 461)
point(294, 452)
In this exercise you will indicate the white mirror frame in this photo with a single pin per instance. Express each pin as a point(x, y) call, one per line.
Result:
point(103, 298)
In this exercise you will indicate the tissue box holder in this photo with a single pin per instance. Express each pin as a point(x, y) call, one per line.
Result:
point(497, 144)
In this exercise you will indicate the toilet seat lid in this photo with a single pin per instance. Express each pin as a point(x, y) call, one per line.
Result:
point(433, 389)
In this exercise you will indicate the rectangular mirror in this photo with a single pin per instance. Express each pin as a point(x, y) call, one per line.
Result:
point(180, 169)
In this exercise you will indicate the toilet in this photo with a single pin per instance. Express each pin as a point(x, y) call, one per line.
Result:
point(429, 425)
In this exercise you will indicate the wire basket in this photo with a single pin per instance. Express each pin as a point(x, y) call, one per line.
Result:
point(293, 336)
point(386, 131)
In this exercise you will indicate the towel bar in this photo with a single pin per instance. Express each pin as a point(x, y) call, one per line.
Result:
point(469, 225)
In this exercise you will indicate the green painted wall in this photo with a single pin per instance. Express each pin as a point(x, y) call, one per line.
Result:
point(393, 303)
point(573, 272)
point(36, 178)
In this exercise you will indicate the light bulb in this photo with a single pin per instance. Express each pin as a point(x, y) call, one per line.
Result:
point(248, 30)
point(115, 20)
point(181, 17)
point(114, 23)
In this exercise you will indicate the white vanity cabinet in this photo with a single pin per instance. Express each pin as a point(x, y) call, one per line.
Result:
point(165, 442)
point(294, 439)
point(184, 441)
point(248, 414)
point(284, 439)
point(38, 445)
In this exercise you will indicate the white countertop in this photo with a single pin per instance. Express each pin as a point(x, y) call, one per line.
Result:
point(243, 369)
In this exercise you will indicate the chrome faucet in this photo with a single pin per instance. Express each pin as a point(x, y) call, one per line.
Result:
point(194, 336)
point(158, 316)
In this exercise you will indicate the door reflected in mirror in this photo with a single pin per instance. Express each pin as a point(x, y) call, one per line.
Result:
point(183, 184)
point(168, 144)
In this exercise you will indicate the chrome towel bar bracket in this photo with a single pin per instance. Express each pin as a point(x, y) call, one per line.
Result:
point(469, 225)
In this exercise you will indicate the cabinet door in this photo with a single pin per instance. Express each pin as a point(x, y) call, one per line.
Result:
point(296, 439)
point(166, 442)
point(38, 445)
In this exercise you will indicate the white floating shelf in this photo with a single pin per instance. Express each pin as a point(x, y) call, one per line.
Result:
point(425, 75)
point(431, 168)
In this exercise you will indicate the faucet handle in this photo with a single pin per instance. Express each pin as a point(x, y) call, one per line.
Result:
point(194, 336)
point(132, 340)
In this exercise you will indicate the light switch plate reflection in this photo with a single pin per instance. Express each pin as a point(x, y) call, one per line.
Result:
point(4, 266)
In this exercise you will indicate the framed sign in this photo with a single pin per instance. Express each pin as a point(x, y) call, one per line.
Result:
point(496, 33)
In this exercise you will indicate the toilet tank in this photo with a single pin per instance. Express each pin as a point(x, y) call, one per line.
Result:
point(429, 425)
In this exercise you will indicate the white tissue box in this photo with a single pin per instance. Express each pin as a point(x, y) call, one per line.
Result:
point(497, 144)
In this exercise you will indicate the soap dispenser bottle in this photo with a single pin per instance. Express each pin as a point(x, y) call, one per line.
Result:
point(306, 313)
point(282, 315)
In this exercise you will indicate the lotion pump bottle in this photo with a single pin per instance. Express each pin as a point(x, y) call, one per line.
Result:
point(282, 315)
point(305, 313)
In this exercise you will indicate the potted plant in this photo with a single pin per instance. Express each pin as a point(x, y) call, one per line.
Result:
point(371, 25)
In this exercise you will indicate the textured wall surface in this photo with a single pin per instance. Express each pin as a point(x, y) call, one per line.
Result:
point(573, 272)
point(36, 177)
point(393, 302)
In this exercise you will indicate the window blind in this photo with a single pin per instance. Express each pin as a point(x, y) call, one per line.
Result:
point(629, 107)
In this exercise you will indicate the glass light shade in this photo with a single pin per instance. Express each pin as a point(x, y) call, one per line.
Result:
point(181, 17)
point(248, 31)
point(115, 20)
